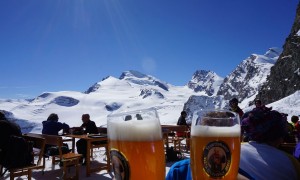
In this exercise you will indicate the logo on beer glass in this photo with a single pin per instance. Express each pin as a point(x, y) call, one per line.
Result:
point(216, 159)
point(120, 165)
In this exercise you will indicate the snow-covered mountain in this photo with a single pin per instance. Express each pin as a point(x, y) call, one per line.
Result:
point(243, 82)
point(204, 81)
point(130, 78)
point(247, 78)
point(204, 102)
point(135, 90)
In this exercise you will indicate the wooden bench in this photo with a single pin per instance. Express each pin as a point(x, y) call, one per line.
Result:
point(68, 159)
point(38, 149)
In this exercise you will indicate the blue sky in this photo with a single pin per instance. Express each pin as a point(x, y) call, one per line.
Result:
point(58, 45)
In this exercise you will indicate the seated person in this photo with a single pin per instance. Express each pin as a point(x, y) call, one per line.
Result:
point(260, 158)
point(181, 170)
point(260, 107)
point(91, 128)
point(290, 138)
point(14, 151)
point(182, 121)
point(233, 103)
point(52, 126)
point(7, 128)
point(296, 124)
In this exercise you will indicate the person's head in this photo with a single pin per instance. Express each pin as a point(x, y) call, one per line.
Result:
point(52, 117)
point(267, 126)
point(139, 117)
point(257, 102)
point(233, 102)
point(284, 116)
point(85, 118)
point(294, 119)
point(2, 116)
point(183, 113)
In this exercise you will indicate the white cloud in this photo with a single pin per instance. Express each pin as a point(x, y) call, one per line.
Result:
point(148, 65)
point(23, 96)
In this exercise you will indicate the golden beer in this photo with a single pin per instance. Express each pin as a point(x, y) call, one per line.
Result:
point(215, 149)
point(136, 145)
point(146, 159)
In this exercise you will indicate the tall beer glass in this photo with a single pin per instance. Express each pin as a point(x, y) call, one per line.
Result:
point(136, 145)
point(215, 144)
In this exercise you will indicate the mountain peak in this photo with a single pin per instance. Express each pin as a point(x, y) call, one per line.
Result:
point(132, 74)
point(138, 78)
point(273, 52)
point(270, 57)
point(249, 75)
point(205, 81)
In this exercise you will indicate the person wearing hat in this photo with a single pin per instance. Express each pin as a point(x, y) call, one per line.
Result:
point(260, 107)
point(233, 103)
point(260, 157)
point(296, 124)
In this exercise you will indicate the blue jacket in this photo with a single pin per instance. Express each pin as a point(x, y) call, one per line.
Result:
point(52, 127)
point(297, 151)
point(181, 171)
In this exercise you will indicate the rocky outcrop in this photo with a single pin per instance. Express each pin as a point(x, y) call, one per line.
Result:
point(284, 78)
point(245, 81)
point(205, 81)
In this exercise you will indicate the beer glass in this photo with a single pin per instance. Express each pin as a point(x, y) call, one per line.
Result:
point(215, 144)
point(136, 145)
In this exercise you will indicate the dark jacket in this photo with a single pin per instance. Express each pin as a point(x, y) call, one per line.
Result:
point(181, 121)
point(262, 108)
point(52, 127)
point(7, 129)
point(90, 127)
point(237, 110)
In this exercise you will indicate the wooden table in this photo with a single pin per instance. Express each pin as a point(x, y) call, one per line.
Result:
point(175, 127)
point(89, 140)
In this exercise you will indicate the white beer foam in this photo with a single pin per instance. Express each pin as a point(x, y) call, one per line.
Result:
point(214, 131)
point(134, 131)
